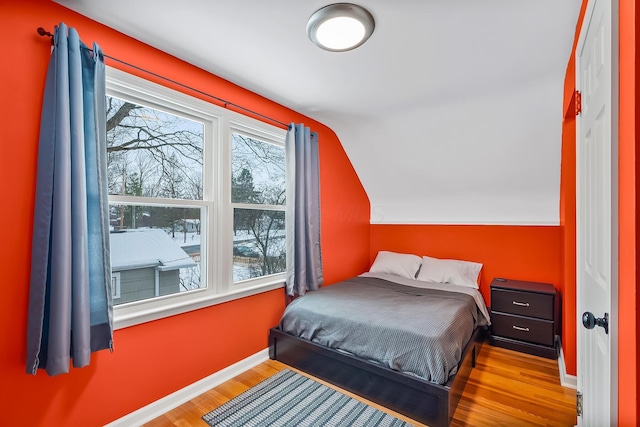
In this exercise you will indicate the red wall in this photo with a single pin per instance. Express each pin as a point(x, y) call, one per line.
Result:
point(155, 359)
point(515, 252)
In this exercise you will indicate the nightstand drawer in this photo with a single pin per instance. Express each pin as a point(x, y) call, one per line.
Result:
point(522, 328)
point(522, 303)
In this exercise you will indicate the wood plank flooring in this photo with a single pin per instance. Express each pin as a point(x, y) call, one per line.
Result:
point(506, 388)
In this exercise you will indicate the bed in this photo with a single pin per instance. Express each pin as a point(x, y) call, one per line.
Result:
point(425, 335)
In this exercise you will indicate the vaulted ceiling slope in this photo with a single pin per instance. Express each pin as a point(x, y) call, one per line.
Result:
point(450, 113)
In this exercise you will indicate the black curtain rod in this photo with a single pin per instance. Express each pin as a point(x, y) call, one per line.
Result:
point(224, 102)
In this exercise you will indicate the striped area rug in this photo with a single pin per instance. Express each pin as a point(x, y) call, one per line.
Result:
point(291, 399)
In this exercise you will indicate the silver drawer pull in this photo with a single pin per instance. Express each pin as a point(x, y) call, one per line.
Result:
point(521, 304)
point(518, 328)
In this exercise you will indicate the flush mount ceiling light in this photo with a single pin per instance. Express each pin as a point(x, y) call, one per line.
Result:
point(340, 26)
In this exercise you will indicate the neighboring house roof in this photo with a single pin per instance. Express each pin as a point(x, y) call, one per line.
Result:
point(144, 248)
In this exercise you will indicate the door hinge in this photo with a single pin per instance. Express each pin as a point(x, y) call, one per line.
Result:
point(578, 102)
point(579, 404)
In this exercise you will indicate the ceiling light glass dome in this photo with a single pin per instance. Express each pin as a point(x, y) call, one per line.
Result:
point(341, 26)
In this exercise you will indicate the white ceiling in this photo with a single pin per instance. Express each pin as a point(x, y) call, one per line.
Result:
point(450, 113)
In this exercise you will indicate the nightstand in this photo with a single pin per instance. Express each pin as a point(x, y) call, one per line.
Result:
point(525, 316)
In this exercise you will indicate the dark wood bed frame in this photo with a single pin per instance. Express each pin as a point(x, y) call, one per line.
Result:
point(421, 400)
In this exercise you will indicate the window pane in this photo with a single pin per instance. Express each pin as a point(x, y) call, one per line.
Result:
point(258, 243)
point(258, 174)
point(155, 250)
point(151, 153)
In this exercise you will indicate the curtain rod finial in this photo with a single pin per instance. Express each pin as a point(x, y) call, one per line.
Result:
point(44, 32)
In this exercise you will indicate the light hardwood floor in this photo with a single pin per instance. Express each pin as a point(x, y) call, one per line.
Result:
point(506, 388)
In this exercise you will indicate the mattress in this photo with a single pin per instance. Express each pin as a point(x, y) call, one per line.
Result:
point(418, 328)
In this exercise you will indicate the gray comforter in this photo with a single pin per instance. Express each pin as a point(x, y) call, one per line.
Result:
point(417, 331)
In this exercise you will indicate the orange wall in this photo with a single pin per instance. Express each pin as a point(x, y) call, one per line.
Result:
point(637, 194)
point(515, 252)
point(155, 359)
point(568, 233)
point(568, 209)
point(627, 217)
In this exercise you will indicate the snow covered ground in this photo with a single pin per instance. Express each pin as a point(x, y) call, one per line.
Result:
point(243, 241)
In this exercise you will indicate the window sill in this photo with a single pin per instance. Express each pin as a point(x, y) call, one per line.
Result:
point(122, 319)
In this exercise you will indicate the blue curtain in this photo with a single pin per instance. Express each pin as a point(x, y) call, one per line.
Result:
point(304, 254)
point(70, 306)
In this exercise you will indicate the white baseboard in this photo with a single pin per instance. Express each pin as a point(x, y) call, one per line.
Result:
point(566, 380)
point(159, 407)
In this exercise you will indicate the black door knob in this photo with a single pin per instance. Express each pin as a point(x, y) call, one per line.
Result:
point(590, 321)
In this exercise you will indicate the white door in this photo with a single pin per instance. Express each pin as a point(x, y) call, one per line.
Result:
point(597, 265)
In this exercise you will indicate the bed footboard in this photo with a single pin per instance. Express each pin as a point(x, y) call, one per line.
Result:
point(421, 400)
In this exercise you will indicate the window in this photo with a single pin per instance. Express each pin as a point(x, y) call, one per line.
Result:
point(258, 197)
point(196, 201)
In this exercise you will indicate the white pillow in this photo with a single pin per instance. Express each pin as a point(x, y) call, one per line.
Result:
point(403, 265)
point(456, 272)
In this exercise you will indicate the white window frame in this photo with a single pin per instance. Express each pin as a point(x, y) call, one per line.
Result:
point(217, 226)
point(115, 285)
